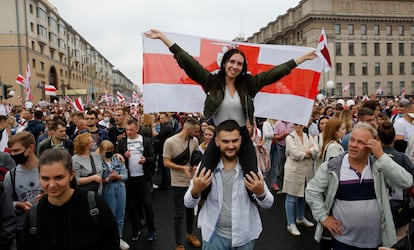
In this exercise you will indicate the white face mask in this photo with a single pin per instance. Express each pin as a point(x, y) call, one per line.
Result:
point(411, 115)
point(106, 119)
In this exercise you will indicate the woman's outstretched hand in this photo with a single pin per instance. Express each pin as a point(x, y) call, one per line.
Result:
point(156, 34)
point(308, 56)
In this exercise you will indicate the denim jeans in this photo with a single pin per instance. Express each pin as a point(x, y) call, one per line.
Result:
point(273, 163)
point(114, 194)
point(220, 243)
point(290, 208)
point(179, 210)
point(281, 159)
point(139, 196)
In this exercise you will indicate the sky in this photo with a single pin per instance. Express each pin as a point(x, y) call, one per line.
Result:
point(114, 28)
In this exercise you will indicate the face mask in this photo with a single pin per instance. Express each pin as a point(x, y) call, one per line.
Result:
point(109, 154)
point(411, 115)
point(107, 119)
point(20, 158)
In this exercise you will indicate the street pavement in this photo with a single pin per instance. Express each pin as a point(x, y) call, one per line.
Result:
point(274, 234)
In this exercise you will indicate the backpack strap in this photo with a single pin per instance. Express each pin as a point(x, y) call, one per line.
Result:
point(33, 219)
point(13, 182)
point(93, 210)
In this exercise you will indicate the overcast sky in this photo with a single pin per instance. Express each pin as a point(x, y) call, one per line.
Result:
point(114, 27)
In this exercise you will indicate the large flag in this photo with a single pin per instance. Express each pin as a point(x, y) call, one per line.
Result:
point(323, 52)
point(27, 88)
point(50, 90)
point(166, 87)
point(120, 97)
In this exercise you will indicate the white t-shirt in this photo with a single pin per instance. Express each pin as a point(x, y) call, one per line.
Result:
point(136, 148)
point(404, 128)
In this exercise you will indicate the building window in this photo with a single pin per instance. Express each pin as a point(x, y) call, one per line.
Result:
point(33, 45)
point(351, 69)
point(364, 68)
point(363, 29)
point(389, 68)
point(31, 8)
point(351, 49)
point(61, 29)
point(52, 23)
point(352, 89)
point(61, 43)
point(402, 86)
point(41, 31)
point(376, 49)
point(41, 14)
point(338, 69)
point(377, 85)
point(365, 87)
point(377, 68)
point(33, 63)
point(388, 29)
point(42, 66)
point(350, 29)
point(53, 38)
point(376, 30)
point(412, 49)
point(389, 88)
point(338, 50)
point(337, 28)
point(41, 50)
point(412, 87)
point(401, 49)
point(389, 49)
point(401, 30)
point(402, 68)
point(412, 30)
point(364, 49)
point(412, 68)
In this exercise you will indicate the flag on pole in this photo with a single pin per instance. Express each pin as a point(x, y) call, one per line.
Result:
point(323, 52)
point(120, 97)
point(134, 96)
point(402, 93)
point(174, 91)
point(20, 80)
point(346, 87)
point(77, 104)
point(28, 89)
point(68, 100)
point(50, 90)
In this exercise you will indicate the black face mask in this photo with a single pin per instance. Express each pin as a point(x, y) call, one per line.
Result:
point(20, 158)
point(109, 154)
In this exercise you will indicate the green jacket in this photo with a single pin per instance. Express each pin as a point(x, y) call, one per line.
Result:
point(214, 86)
point(320, 191)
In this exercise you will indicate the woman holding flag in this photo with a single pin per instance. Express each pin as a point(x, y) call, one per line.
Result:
point(230, 94)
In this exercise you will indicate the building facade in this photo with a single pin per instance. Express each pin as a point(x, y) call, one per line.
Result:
point(33, 33)
point(122, 84)
point(371, 43)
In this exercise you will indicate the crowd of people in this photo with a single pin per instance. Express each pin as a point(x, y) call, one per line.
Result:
point(68, 174)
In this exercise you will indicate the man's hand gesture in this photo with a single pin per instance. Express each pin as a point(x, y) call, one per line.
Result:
point(254, 183)
point(201, 182)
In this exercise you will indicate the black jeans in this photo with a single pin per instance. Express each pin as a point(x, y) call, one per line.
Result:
point(247, 157)
point(179, 210)
point(138, 197)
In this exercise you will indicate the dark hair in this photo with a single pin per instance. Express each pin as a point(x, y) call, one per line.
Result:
point(132, 121)
point(55, 125)
point(386, 132)
point(371, 104)
point(92, 112)
point(226, 58)
point(228, 125)
point(365, 111)
point(25, 138)
point(38, 114)
point(58, 155)
point(320, 119)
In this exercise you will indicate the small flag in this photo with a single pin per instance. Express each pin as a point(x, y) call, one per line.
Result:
point(379, 91)
point(28, 89)
point(323, 52)
point(50, 90)
point(20, 80)
point(78, 105)
point(402, 93)
point(68, 99)
point(346, 87)
point(120, 97)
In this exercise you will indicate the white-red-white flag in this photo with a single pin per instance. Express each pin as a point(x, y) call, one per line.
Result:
point(27, 87)
point(50, 90)
point(402, 93)
point(134, 95)
point(174, 91)
point(323, 52)
point(379, 91)
point(346, 87)
point(68, 100)
point(78, 104)
point(20, 80)
point(120, 97)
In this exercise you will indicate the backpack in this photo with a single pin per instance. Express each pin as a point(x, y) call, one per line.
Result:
point(93, 211)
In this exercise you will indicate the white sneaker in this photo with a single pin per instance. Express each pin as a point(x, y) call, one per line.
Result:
point(293, 230)
point(123, 245)
point(304, 222)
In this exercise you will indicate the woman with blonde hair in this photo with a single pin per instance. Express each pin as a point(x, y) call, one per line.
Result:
point(207, 137)
point(334, 131)
point(87, 164)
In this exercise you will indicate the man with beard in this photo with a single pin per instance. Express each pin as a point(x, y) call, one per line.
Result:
point(98, 134)
point(229, 219)
point(181, 174)
point(22, 182)
point(117, 132)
